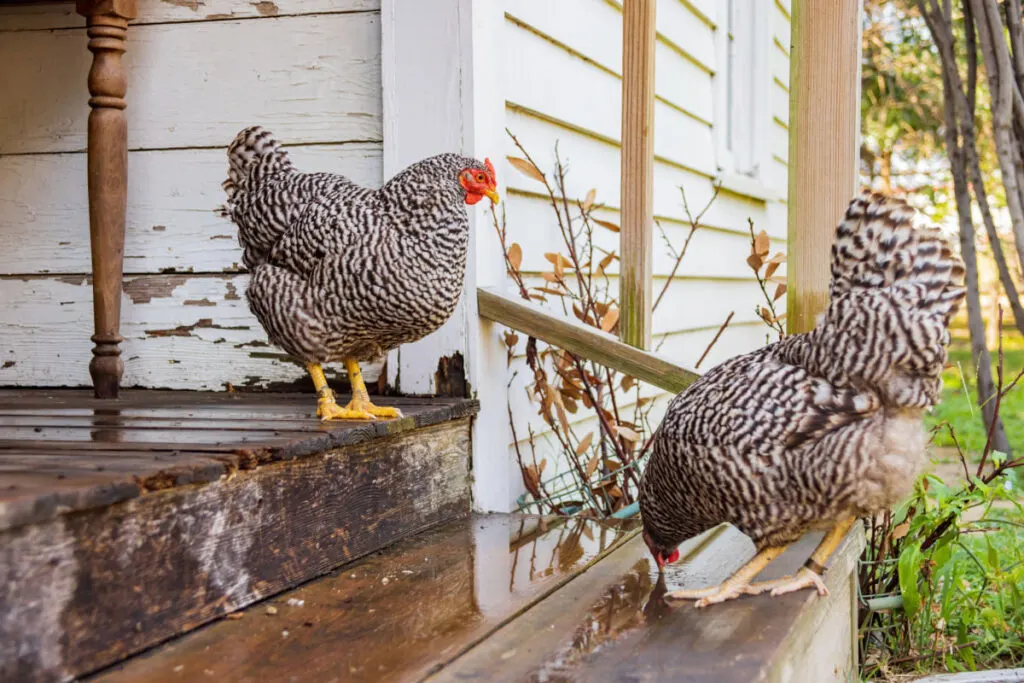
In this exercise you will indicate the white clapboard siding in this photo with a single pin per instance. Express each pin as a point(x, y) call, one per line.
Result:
point(712, 253)
point(690, 303)
point(571, 90)
point(51, 15)
point(594, 163)
point(172, 197)
point(681, 82)
point(181, 332)
point(313, 78)
point(564, 87)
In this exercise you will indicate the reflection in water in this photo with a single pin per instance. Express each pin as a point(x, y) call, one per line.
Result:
point(633, 601)
point(108, 421)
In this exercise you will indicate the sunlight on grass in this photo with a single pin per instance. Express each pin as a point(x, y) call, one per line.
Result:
point(961, 410)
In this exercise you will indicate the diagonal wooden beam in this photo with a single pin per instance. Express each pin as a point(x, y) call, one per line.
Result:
point(583, 340)
point(636, 245)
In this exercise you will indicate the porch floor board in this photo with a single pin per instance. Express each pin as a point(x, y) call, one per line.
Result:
point(64, 451)
point(517, 598)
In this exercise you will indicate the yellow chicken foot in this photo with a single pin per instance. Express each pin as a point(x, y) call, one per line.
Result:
point(735, 585)
point(359, 408)
point(360, 397)
point(809, 575)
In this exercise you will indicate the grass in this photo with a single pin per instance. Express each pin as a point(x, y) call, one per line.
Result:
point(960, 408)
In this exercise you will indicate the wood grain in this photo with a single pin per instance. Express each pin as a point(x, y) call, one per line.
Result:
point(36, 16)
point(823, 152)
point(298, 89)
point(181, 332)
point(171, 223)
point(436, 595)
point(639, 25)
point(614, 623)
point(108, 183)
point(583, 340)
point(85, 590)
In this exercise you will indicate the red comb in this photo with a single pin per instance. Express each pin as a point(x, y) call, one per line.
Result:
point(490, 169)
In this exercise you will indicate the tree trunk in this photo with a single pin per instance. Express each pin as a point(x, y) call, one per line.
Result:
point(975, 320)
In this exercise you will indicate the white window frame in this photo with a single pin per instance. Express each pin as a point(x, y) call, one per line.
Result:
point(744, 38)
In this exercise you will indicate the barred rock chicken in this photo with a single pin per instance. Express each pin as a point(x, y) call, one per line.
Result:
point(820, 428)
point(344, 273)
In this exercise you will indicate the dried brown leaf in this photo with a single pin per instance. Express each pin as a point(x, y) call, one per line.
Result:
point(588, 201)
point(584, 443)
point(592, 465)
point(627, 433)
point(628, 383)
point(780, 291)
point(578, 312)
point(609, 319)
point(549, 276)
point(762, 244)
point(543, 464)
point(611, 465)
point(526, 168)
point(608, 225)
point(755, 262)
point(511, 339)
point(770, 270)
point(515, 255)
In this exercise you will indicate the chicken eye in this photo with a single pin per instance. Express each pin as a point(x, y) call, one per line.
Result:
point(479, 177)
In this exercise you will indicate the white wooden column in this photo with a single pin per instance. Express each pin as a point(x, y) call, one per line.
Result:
point(441, 70)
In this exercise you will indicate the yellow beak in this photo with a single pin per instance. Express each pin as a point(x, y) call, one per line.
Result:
point(493, 196)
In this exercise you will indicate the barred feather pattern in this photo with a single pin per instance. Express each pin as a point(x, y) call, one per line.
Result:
point(342, 271)
point(824, 425)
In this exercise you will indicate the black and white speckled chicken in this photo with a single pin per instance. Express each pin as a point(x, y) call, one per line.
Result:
point(820, 428)
point(345, 273)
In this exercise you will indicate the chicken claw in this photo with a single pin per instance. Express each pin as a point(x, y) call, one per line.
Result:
point(805, 578)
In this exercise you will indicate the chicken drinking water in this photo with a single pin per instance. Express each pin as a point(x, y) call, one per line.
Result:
point(344, 273)
point(818, 429)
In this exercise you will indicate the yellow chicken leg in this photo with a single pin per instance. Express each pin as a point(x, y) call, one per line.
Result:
point(735, 585)
point(809, 576)
point(359, 408)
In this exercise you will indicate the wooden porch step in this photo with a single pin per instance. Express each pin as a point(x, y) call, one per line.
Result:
point(124, 523)
point(506, 598)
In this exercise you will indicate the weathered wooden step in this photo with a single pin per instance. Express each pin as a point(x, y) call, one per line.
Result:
point(126, 523)
point(395, 616)
point(613, 623)
point(506, 598)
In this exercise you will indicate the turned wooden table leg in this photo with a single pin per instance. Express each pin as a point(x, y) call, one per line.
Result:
point(108, 183)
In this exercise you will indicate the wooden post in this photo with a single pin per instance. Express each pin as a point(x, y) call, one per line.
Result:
point(636, 238)
point(108, 183)
point(824, 123)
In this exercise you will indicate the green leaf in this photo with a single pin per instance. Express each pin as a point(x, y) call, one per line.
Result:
point(910, 571)
point(967, 654)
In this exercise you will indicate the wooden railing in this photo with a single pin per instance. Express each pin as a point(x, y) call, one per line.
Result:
point(583, 340)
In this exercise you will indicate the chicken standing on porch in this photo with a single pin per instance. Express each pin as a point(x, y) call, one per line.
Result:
point(820, 428)
point(344, 273)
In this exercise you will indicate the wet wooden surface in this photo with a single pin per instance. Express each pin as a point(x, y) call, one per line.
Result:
point(473, 602)
point(166, 536)
point(614, 624)
point(65, 451)
point(395, 616)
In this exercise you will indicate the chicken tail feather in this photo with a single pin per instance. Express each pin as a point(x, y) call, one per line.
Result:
point(254, 153)
point(878, 246)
